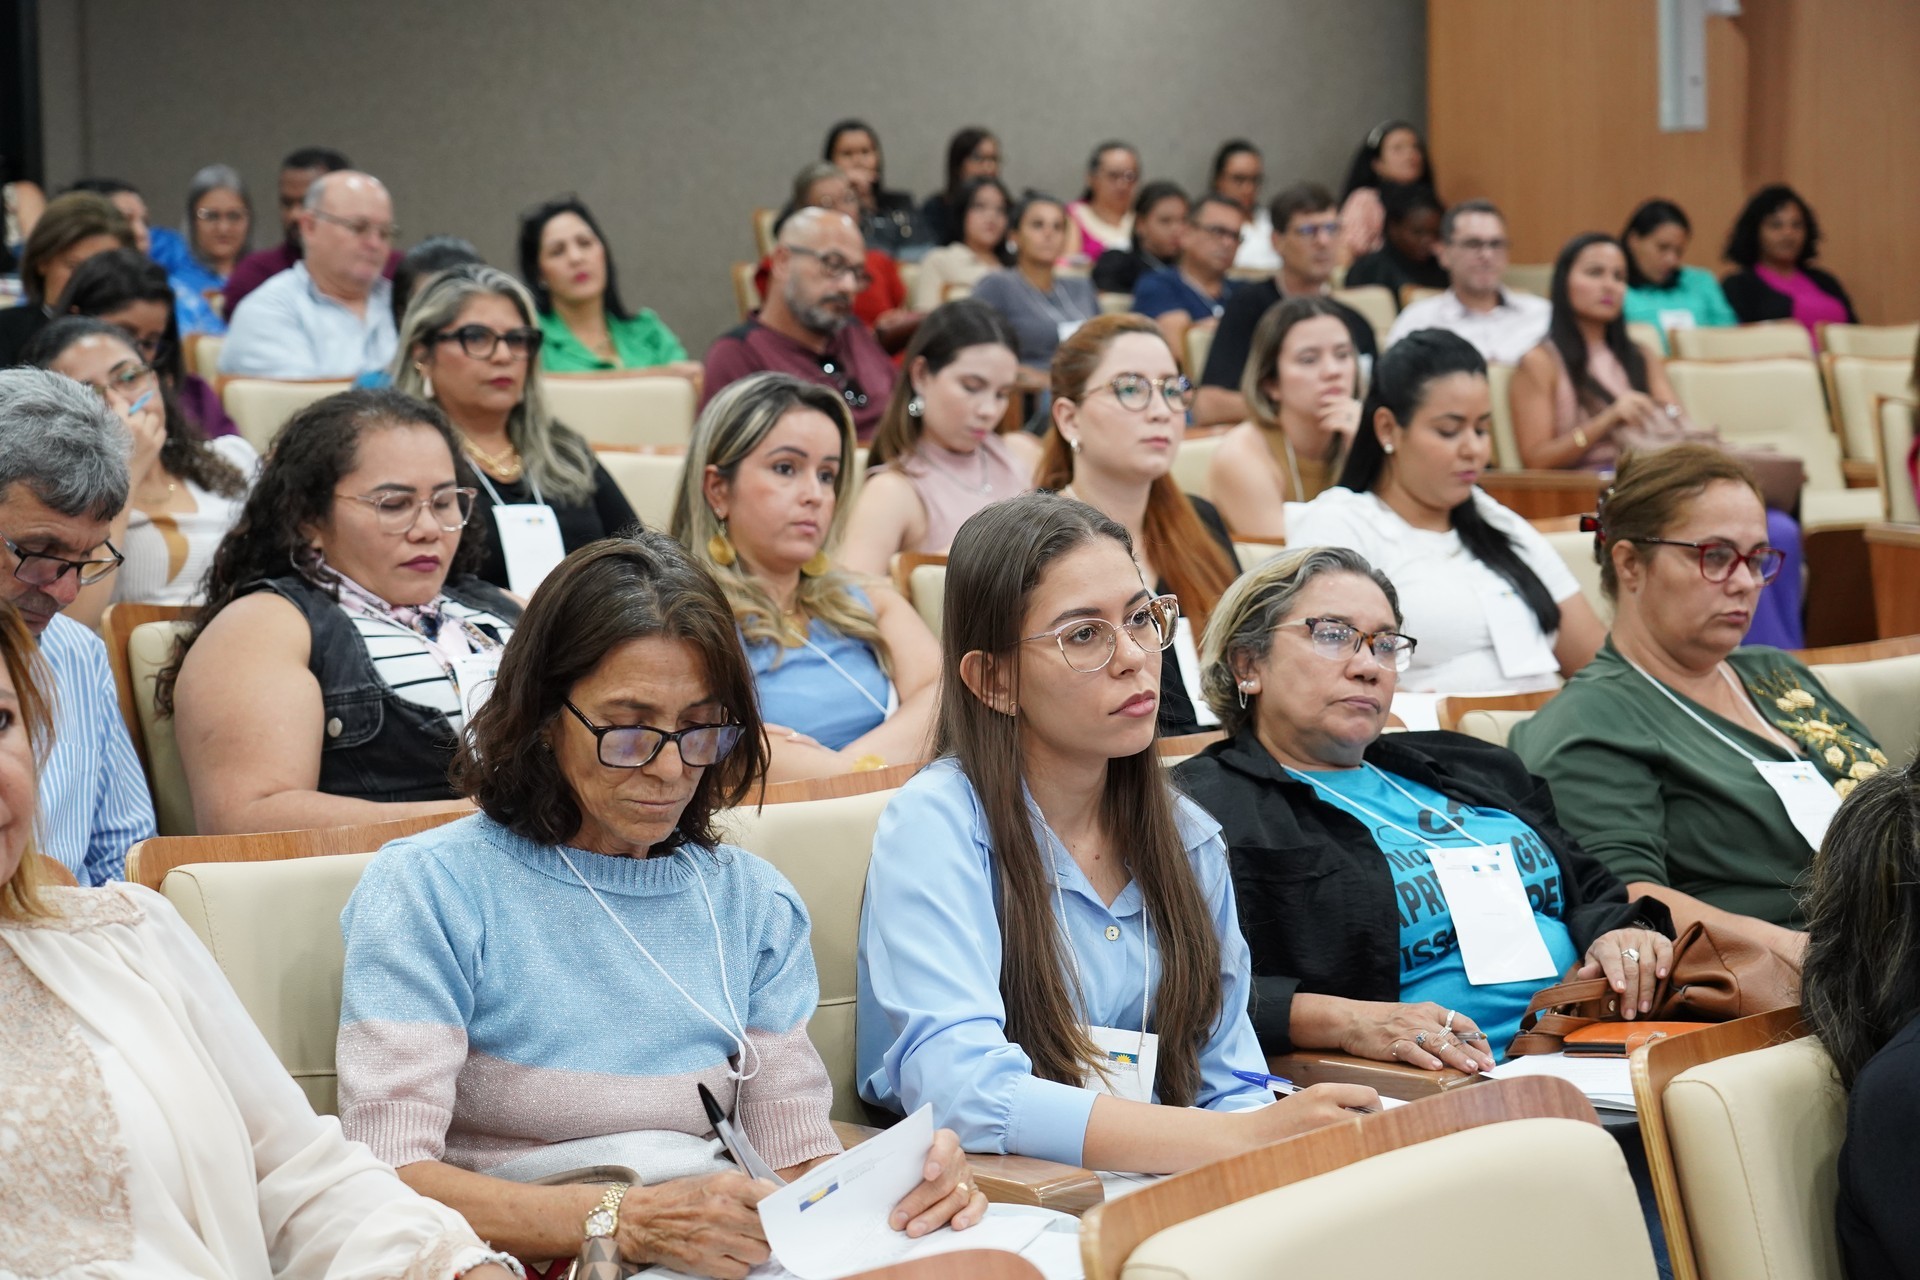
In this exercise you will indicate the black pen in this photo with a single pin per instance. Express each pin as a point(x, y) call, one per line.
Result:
point(736, 1142)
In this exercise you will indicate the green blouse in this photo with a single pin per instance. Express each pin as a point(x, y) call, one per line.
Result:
point(1658, 797)
point(641, 343)
point(1695, 292)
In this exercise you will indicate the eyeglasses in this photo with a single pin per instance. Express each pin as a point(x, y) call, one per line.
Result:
point(360, 228)
point(480, 342)
point(834, 265)
point(1313, 230)
point(1088, 644)
point(850, 390)
point(634, 746)
point(38, 569)
point(1135, 391)
point(125, 379)
point(231, 217)
point(1481, 246)
point(1119, 175)
point(399, 512)
point(1337, 641)
point(151, 348)
point(1718, 558)
point(1217, 232)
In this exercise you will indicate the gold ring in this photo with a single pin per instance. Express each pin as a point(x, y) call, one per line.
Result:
point(963, 1189)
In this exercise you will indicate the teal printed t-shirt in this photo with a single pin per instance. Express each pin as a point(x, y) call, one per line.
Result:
point(1431, 966)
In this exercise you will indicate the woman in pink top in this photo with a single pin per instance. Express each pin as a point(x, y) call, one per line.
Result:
point(1774, 241)
point(937, 457)
point(1394, 153)
point(1102, 218)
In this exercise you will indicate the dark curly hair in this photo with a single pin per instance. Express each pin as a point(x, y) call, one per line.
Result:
point(1743, 242)
point(602, 596)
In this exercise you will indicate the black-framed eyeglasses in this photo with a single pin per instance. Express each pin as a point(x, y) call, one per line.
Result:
point(1135, 391)
point(38, 569)
point(360, 228)
point(1481, 246)
point(633, 746)
point(834, 265)
point(1088, 644)
point(398, 512)
point(1718, 558)
point(1337, 641)
point(1218, 232)
point(843, 380)
point(480, 342)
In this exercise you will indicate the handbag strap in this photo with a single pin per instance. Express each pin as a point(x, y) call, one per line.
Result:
point(1547, 1022)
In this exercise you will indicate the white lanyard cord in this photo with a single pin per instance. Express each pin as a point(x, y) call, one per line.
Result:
point(1694, 715)
point(738, 1033)
point(494, 493)
point(846, 675)
point(1073, 953)
point(1344, 801)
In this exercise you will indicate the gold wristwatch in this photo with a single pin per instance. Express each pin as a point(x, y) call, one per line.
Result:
point(606, 1215)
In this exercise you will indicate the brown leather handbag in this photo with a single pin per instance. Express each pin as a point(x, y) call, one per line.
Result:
point(1716, 976)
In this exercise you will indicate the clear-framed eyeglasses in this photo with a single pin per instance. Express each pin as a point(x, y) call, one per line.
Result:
point(1337, 641)
point(397, 512)
point(1088, 644)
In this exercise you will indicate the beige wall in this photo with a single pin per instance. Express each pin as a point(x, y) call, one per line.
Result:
point(675, 118)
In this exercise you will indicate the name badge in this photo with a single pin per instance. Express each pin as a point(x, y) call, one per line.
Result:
point(1189, 656)
point(473, 676)
point(1131, 1061)
point(1492, 918)
point(1810, 799)
point(1067, 328)
point(530, 538)
point(1671, 320)
point(1518, 646)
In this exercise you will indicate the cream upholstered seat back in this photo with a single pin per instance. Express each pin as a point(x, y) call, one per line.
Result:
point(1885, 694)
point(260, 407)
point(1191, 464)
point(1545, 1197)
point(1777, 403)
point(1506, 446)
point(274, 929)
point(1879, 341)
point(1576, 550)
point(1756, 1137)
point(823, 847)
point(650, 482)
point(1893, 420)
point(1376, 302)
point(623, 409)
point(1491, 726)
point(1857, 384)
point(150, 648)
point(1770, 339)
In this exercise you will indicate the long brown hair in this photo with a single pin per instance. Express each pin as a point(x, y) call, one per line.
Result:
point(1181, 549)
point(32, 685)
point(998, 558)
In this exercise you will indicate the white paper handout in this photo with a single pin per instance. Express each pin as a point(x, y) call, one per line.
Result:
point(1492, 917)
point(1607, 1082)
point(1809, 798)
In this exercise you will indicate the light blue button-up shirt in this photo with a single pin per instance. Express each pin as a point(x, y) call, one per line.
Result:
point(287, 328)
point(932, 1027)
point(94, 803)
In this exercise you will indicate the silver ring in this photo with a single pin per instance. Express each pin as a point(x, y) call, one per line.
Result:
point(1631, 954)
point(1420, 1038)
point(1451, 1015)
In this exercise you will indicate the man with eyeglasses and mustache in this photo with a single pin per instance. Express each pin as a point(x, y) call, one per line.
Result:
point(331, 314)
point(1504, 324)
point(805, 327)
point(63, 478)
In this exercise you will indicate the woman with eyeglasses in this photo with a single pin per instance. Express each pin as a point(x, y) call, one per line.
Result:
point(1347, 844)
point(550, 983)
point(1694, 767)
point(1118, 412)
point(1495, 607)
point(326, 680)
point(218, 233)
point(843, 666)
point(1049, 949)
point(1102, 218)
point(1043, 307)
point(470, 343)
point(184, 492)
point(567, 266)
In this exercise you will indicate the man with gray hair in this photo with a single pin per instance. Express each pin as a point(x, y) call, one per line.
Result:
point(63, 478)
point(806, 326)
point(330, 315)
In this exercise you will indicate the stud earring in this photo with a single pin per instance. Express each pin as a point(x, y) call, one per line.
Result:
point(426, 382)
point(916, 406)
point(1073, 443)
point(1387, 449)
point(720, 548)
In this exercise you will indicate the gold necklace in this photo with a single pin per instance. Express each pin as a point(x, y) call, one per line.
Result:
point(507, 467)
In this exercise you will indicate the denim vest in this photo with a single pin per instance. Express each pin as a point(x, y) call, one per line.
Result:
point(377, 745)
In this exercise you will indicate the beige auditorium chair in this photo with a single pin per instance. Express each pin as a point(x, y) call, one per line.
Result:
point(1489, 717)
point(1893, 443)
point(922, 578)
point(203, 356)
point(149, 648)
point(1879, 341)
point(1883, 691)
point(1647, 335)
point(1196, 346)
point(260, 407)
point(1768, 340)
point(1374, 301)
point(1855, 385)
point(1506, 446)
point(650, 481)
point(623, 408)
point(1576, 550)
point(1195, 457)
point(1113, 304)
point(1529, 277)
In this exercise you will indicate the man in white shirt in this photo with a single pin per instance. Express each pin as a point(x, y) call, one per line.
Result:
point(330, 314)
point(1504, 324)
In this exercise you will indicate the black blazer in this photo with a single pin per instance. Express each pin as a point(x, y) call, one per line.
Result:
point(1753, 299)
point(1315, 893)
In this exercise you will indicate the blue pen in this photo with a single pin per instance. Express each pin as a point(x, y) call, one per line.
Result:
point(1279, 1084)
point(139, 404)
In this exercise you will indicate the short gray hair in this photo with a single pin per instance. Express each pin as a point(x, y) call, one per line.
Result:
point(1257, 602)
point(61, 441)
point(218, 177)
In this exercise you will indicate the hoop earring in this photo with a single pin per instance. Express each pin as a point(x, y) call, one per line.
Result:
point(816, 565)
point(916, 406)
point(720, 548)
point(1241, 690)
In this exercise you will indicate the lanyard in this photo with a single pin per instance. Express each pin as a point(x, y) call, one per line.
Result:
point(846, 675)
point(1694, 715)
point(1347, 802)
point(738, 1032)
point(1073, 953)
point(494, 493)
point(1060, 315)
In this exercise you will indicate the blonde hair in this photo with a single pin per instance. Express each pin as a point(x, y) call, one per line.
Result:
point(33, 685)
point(732, 426)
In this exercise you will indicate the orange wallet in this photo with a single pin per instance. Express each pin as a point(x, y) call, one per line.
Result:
point(1620, 1039)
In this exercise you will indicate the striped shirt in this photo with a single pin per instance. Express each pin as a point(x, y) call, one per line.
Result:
point(416, 669)
point(93, 793)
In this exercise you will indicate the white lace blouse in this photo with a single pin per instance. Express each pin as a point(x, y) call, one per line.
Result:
point(147, 1129)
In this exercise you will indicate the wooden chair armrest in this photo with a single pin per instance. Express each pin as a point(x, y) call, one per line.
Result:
point(1860, 474)
point(1014, 1179)
point(1389, 1079)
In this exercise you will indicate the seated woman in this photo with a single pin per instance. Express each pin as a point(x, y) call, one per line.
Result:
point(131, 292)
point(1495, 607)
point(219, 232)
point(479, 1050)
point(887, 219)
point(1042, 307)
point(1588, 394)
point(973, 154)
point(1696, 769)
point(979, 246)
point(1393, 154)
point(469, 344)
point(1405, 257)
point(882, 304)
point(1159, 220)
point(1049, 951)
point(72, 228)
point(1302, 381)
point(1661, 290)
point(939, 455)
point(223, 1171)
point(1119, 410)
point(845, 672)
point(1864, 1004)
point(566, 265)
point(322, 684)
point(1341, 838)
point(184, 493)
point(1102, 218)
point(1774, 242)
